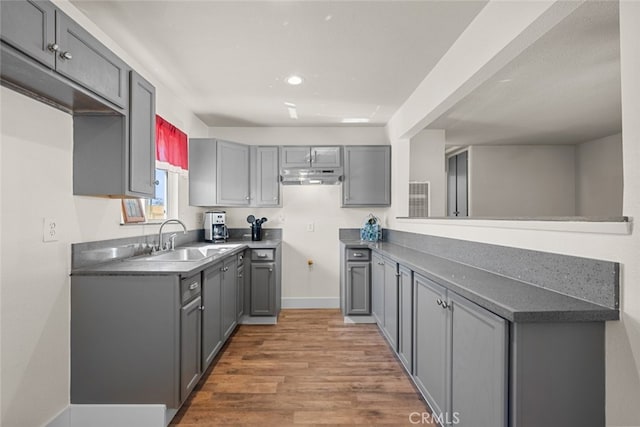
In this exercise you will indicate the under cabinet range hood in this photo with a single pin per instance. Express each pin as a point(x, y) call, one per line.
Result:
point(311, 176)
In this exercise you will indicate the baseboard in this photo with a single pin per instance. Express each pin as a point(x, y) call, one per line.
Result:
point(359, 319)
point(258, 320)
point(294, 302)
point(110, 416)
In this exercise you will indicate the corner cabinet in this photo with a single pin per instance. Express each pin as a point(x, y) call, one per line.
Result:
point(114, 155)
point(367, 176)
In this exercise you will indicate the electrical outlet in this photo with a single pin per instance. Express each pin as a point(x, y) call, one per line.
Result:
point(310, 226)
point(49, 230)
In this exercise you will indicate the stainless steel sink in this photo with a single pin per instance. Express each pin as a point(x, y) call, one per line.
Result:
point(189, 253)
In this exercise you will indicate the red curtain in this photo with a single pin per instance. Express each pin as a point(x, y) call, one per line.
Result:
point(171, 144)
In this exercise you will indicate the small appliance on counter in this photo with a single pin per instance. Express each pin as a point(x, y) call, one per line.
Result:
point(215, 228)
point(256, 226)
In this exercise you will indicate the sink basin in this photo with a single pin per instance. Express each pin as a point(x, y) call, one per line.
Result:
point(189, 254)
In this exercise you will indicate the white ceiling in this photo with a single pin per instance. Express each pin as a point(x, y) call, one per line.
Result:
point(227, 59)
point(565, 88)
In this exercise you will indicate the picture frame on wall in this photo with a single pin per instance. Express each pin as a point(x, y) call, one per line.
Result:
point(132, 211)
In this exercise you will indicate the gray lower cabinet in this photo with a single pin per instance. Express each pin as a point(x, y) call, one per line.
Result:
point(114, 155)
point(229, 296)
point(211, 315)
point(265, 176)
point(126, 339)
point(263, 289)
point(358, 296)
point(240, 285)
point(377, 289)
point(190, 346)
point(367, 176)
point(405, 317)
point(460, 359)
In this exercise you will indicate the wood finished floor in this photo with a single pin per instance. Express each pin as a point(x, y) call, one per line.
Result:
point(309, 369)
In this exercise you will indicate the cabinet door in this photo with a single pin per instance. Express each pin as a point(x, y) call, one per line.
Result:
point(367, 172)
point(263, 289)
point(232, 174)
point(326, 157)
point(229, 297)
point(240, 286)
point(295, 157)
point(430, 328)
point(142, 136)
point(211, 314)
point(377, 289)
point(266, 183)
point(405, 318)
point(89, 62)
point(202, 172)
point(29, 26)
point(190, 362)
point(358, 288)
point(391, 302)
point(478, 364)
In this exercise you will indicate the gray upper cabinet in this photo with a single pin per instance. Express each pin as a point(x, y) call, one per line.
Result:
point(367, 176)
point(142, 136)
point(85, 60)
point(265, 177)
point(306, 156)
point(114, 155)
point(218, 173)
point(34, 32)
point(232, 174)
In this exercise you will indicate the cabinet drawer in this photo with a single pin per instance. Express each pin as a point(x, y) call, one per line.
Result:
point(262, 255)
point(358, 254)
point(190, 288)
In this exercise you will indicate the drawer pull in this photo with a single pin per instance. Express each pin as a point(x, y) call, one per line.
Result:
point(193, 286)
point(357, 254)
point(262, 255)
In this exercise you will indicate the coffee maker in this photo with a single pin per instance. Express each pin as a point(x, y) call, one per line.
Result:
point(215, 229)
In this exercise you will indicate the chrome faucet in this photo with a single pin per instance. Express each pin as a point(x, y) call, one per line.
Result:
point(169, 221)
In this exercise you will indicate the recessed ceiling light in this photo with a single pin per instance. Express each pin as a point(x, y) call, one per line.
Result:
point(355, 120)
point(294, 80)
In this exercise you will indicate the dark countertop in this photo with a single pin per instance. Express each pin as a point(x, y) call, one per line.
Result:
point(509, 298)
point(140, 266)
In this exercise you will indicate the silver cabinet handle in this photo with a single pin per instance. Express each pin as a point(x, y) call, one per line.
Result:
point(357, 254)
point(439, 301)
point(247, 197)
point(262, 255)
point(202, 308)
point(380, 263)
point(193, 286)
point(271, 269)
point(445, 305)
point(66, 55)
point(53, 47)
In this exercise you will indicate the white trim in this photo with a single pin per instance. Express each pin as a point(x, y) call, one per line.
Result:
point(111, 415)
point(258, 320)
point(311, 302)
point(595, 227)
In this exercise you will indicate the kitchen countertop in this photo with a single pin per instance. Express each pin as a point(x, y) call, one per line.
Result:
point(509, 298)
point(139, 266)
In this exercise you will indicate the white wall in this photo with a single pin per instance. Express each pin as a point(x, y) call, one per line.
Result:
point(599, 177)
point(302, 205)
point(36, 182)
point(427, 164)
point(522, 180)
point(622, 337)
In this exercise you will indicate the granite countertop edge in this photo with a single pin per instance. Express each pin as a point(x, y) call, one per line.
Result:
point(509, 298)
point(130, 266)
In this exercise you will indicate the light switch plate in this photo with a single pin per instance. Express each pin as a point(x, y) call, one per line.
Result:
point(49, 230)
point(310, 226)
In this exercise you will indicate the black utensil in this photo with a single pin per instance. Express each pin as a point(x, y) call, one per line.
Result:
point(263, 220)
point(251, 219)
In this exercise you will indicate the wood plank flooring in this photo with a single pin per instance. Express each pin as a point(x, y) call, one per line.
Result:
point(309, 369)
